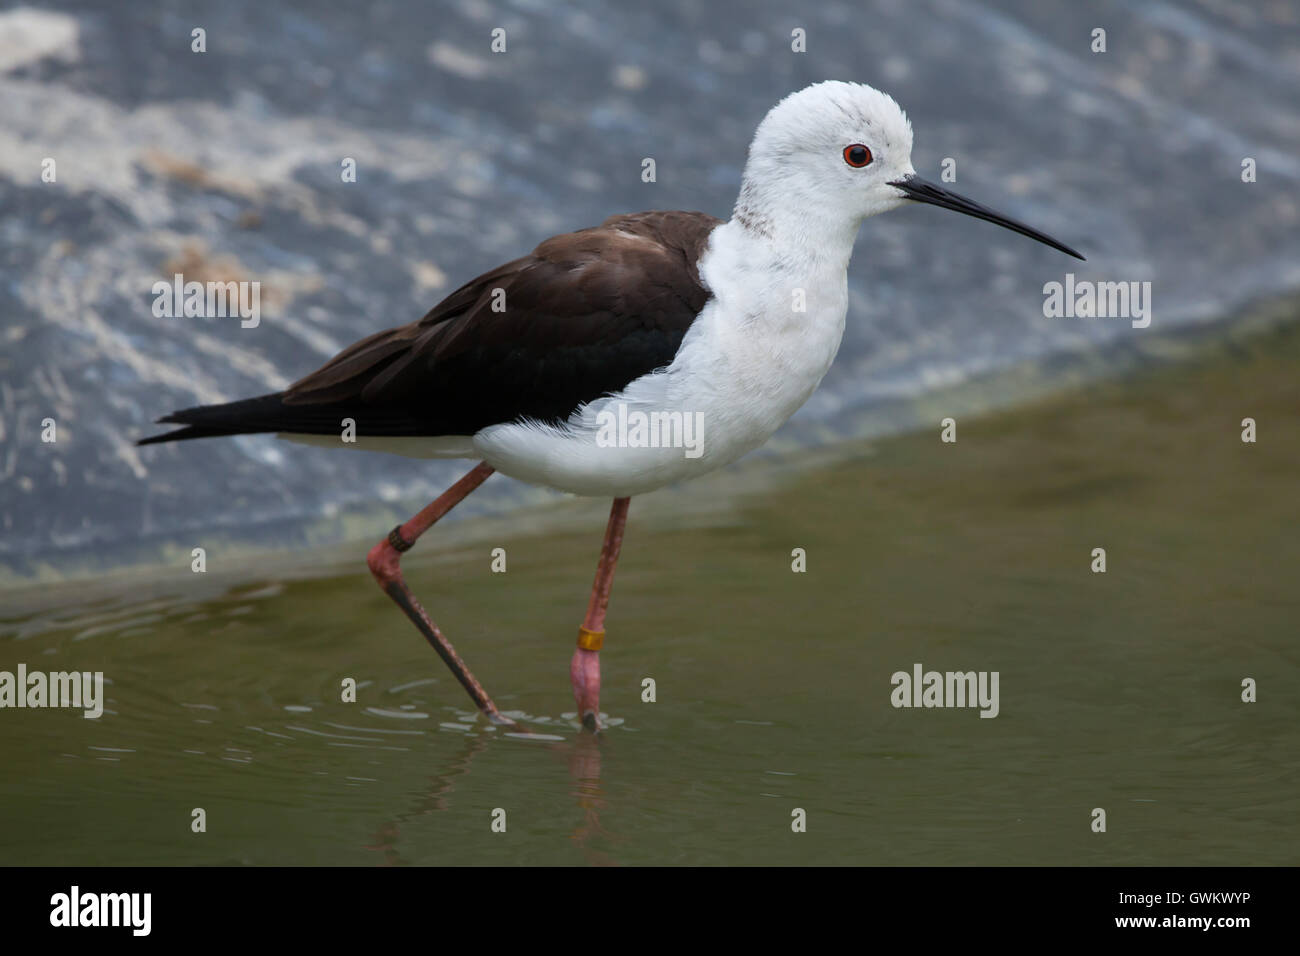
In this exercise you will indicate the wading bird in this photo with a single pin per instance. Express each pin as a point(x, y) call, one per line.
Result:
point(671, 314)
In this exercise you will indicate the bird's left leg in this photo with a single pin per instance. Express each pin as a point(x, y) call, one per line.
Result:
point(384, 560)
point(584, 669)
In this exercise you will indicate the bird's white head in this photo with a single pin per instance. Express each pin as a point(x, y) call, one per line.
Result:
point(823, 158)
point(829, 156)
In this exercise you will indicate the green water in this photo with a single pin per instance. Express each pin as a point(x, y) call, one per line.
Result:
point(1119, 690)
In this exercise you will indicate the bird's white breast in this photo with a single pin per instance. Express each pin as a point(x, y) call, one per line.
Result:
point(759, 348)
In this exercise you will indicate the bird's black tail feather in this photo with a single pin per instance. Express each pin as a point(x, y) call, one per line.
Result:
point(266, 413)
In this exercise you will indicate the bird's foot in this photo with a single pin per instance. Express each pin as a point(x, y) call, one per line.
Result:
point(584, 672)
point(508, 724)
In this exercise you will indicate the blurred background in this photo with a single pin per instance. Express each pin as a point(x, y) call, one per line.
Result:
point(1120, 690)
point(226, 165)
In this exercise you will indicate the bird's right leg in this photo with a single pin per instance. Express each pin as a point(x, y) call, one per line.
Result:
point(384, 560)
point(584, 669)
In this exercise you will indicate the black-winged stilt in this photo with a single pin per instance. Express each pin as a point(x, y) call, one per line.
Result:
point(706, 335)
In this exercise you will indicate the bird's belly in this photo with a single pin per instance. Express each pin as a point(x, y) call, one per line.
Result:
point(621, 445)
point(570, 462)
point(724, 395)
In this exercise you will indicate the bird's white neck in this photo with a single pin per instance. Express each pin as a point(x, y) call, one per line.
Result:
point(796, 227)
point(768, 334)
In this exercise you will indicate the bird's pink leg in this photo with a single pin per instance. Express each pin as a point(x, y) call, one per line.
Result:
point(584, 669)
point(384, 559)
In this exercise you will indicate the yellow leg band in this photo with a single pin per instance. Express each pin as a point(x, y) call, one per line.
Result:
point(590, 640)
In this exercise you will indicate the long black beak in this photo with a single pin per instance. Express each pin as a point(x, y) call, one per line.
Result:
point(921, 190)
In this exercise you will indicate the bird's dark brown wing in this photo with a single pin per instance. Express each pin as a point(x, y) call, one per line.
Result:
point(582, 316)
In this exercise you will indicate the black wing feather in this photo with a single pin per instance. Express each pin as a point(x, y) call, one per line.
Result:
point(585, 314)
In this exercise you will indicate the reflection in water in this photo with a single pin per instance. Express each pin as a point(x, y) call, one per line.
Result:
point(584, 769)
point(581, 754)
point(433, 800)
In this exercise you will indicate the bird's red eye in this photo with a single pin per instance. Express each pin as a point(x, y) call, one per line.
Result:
point(857, 155)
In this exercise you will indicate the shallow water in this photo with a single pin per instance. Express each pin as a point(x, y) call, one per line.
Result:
point(1118, 690)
